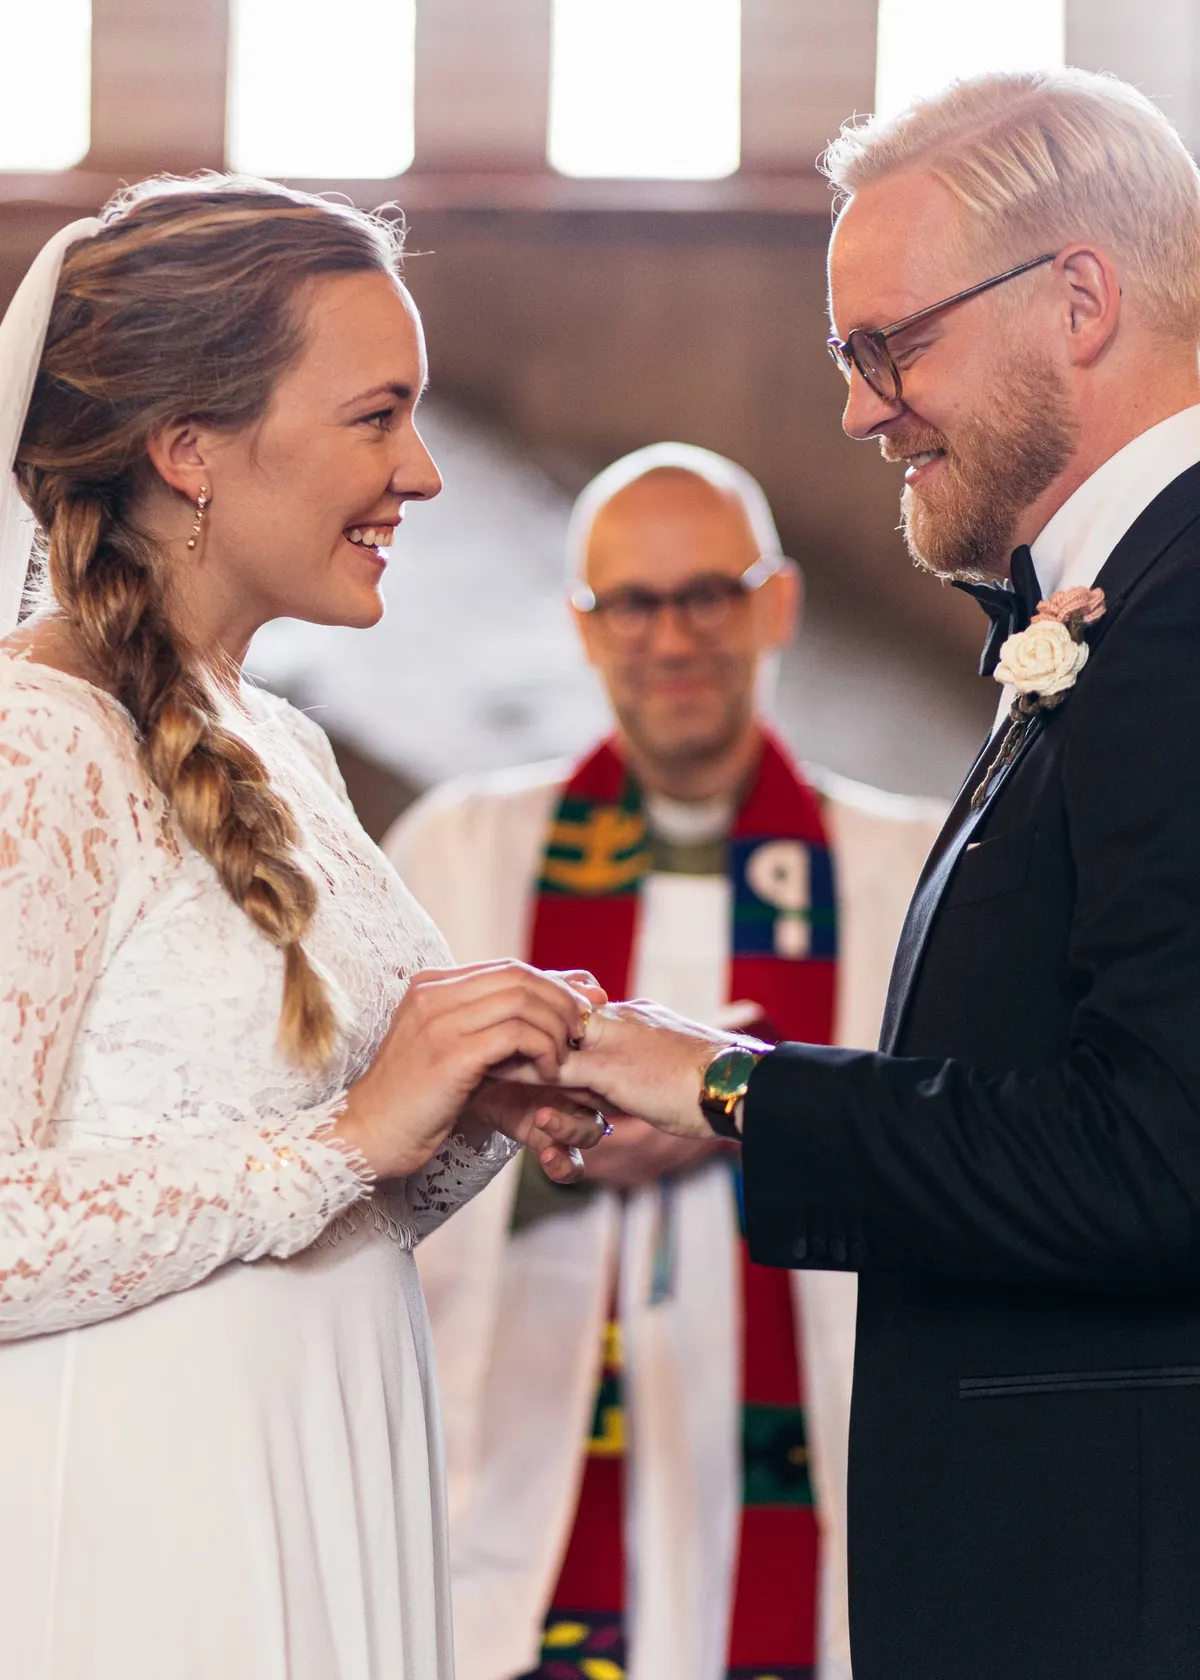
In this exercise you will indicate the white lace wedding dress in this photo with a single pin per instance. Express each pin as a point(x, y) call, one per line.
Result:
point(219, 1447)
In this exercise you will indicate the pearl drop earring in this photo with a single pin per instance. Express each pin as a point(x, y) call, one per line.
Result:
point(202, 501)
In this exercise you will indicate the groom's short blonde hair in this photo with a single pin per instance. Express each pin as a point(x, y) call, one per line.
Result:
point(1041, 158)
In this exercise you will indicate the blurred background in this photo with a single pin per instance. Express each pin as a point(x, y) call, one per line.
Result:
point(617, 231)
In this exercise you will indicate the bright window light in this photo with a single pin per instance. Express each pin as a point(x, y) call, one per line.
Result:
point(923, 44)
point(320, 91)
point(45, 83)
point(648, 88)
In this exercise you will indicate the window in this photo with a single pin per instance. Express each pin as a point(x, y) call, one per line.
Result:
point(45, 83)
point(648, 88)
point(923, 44)
point(319, 90)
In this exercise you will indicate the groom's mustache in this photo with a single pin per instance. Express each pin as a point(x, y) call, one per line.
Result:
point(901, 446)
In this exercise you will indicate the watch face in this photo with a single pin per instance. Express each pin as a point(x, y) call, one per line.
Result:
point(729, 1073)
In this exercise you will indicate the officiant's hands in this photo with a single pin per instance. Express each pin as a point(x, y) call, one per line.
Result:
point(450, 1030)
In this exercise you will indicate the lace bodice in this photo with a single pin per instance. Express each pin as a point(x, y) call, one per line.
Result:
point(150, 1130)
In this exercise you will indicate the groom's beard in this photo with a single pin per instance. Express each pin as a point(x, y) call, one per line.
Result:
point(962, 522)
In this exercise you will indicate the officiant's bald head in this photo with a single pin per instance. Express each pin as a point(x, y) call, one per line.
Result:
point(680, 591)
point(1067, 209)
point(665, 462)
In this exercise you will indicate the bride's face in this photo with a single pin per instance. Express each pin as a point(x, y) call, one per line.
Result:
point(306, 501)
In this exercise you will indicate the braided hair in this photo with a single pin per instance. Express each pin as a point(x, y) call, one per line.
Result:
point(183, 306)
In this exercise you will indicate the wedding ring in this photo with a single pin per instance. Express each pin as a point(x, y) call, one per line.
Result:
point(577, 1043)
point(606, 1129)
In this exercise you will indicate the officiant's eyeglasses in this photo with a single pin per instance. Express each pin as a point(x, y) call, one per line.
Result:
point(868, 351)
point(705, 605)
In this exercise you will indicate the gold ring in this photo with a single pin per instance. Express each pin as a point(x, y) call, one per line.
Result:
point(577, 1042)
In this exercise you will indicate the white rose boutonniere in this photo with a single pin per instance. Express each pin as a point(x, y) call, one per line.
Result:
point(1043, 660)
point(1043, 665)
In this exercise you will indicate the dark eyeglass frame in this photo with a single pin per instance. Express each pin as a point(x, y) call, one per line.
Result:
point(882, 375)
point(760, 571)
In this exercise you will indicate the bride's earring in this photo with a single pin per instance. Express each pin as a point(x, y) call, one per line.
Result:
point(202, 501)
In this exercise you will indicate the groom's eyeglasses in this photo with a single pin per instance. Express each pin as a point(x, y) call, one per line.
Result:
point(868, 351)
point(705, 605)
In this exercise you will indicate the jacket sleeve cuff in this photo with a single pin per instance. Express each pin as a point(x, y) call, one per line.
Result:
point(795, 1168)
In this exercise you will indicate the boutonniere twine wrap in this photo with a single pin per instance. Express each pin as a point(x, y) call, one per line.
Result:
point(1043, 665)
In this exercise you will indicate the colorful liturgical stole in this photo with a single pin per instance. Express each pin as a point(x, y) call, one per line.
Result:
point(783, 953)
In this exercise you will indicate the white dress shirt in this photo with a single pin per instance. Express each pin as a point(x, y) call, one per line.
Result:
point(1072, 546)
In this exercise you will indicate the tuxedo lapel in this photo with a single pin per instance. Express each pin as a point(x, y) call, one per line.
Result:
point(947, 849)
point(1167, 517)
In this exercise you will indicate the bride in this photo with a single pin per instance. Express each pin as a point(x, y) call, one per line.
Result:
point(238, 1079)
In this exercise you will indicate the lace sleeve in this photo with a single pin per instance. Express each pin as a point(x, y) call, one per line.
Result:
point(451, 1177)
point(458, 1171)
point(87, 1233)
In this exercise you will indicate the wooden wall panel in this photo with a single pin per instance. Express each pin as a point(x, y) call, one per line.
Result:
point(1156, 46)
point(483, 81)
point(158, 75)
point(806, 66)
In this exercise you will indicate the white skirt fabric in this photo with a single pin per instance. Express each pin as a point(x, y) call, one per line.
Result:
point(241, 1481)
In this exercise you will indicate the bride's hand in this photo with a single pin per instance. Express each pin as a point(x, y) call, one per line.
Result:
point(555, 1124)
point(452, 1027)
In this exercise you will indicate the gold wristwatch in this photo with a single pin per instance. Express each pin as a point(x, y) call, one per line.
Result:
point(725, 1083)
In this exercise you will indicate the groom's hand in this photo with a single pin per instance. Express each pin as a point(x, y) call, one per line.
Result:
point(642, 1059)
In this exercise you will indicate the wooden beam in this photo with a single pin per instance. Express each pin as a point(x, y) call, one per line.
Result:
point(483, 83)
point(158, 86)
point(807, 65)
point(1156, 47)
point(81, 191)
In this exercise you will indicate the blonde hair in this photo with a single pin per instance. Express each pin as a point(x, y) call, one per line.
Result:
point(184, 305)
point(676, 459)
point(1041, 158)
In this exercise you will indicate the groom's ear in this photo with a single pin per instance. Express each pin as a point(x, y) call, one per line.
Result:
point(1090, 300)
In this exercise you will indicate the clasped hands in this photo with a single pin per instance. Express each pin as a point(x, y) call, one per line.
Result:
point(502, 1046)
point(639, 1059)
point(453, 1029)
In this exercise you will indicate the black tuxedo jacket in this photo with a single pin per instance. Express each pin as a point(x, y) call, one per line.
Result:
point(1015, 1176)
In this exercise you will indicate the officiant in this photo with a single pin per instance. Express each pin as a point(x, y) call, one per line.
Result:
point(645, 1430)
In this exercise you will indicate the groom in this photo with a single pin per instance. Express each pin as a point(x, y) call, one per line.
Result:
point(1015, 1175)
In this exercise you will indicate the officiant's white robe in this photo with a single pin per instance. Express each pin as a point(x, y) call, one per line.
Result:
point(517, 1318)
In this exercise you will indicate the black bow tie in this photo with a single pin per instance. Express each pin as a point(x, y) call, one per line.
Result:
point(1009, 605)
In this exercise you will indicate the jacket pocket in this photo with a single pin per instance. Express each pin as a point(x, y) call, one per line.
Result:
point(1079, 1382)
point(992, 867)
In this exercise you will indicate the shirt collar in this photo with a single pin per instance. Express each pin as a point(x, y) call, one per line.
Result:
point(1075, 543)
point(690, 822)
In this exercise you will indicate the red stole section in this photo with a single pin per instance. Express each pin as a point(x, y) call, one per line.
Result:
point(775, 1599)
point(783, 950)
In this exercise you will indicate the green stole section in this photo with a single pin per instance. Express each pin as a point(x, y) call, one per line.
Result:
point(537, 1196)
